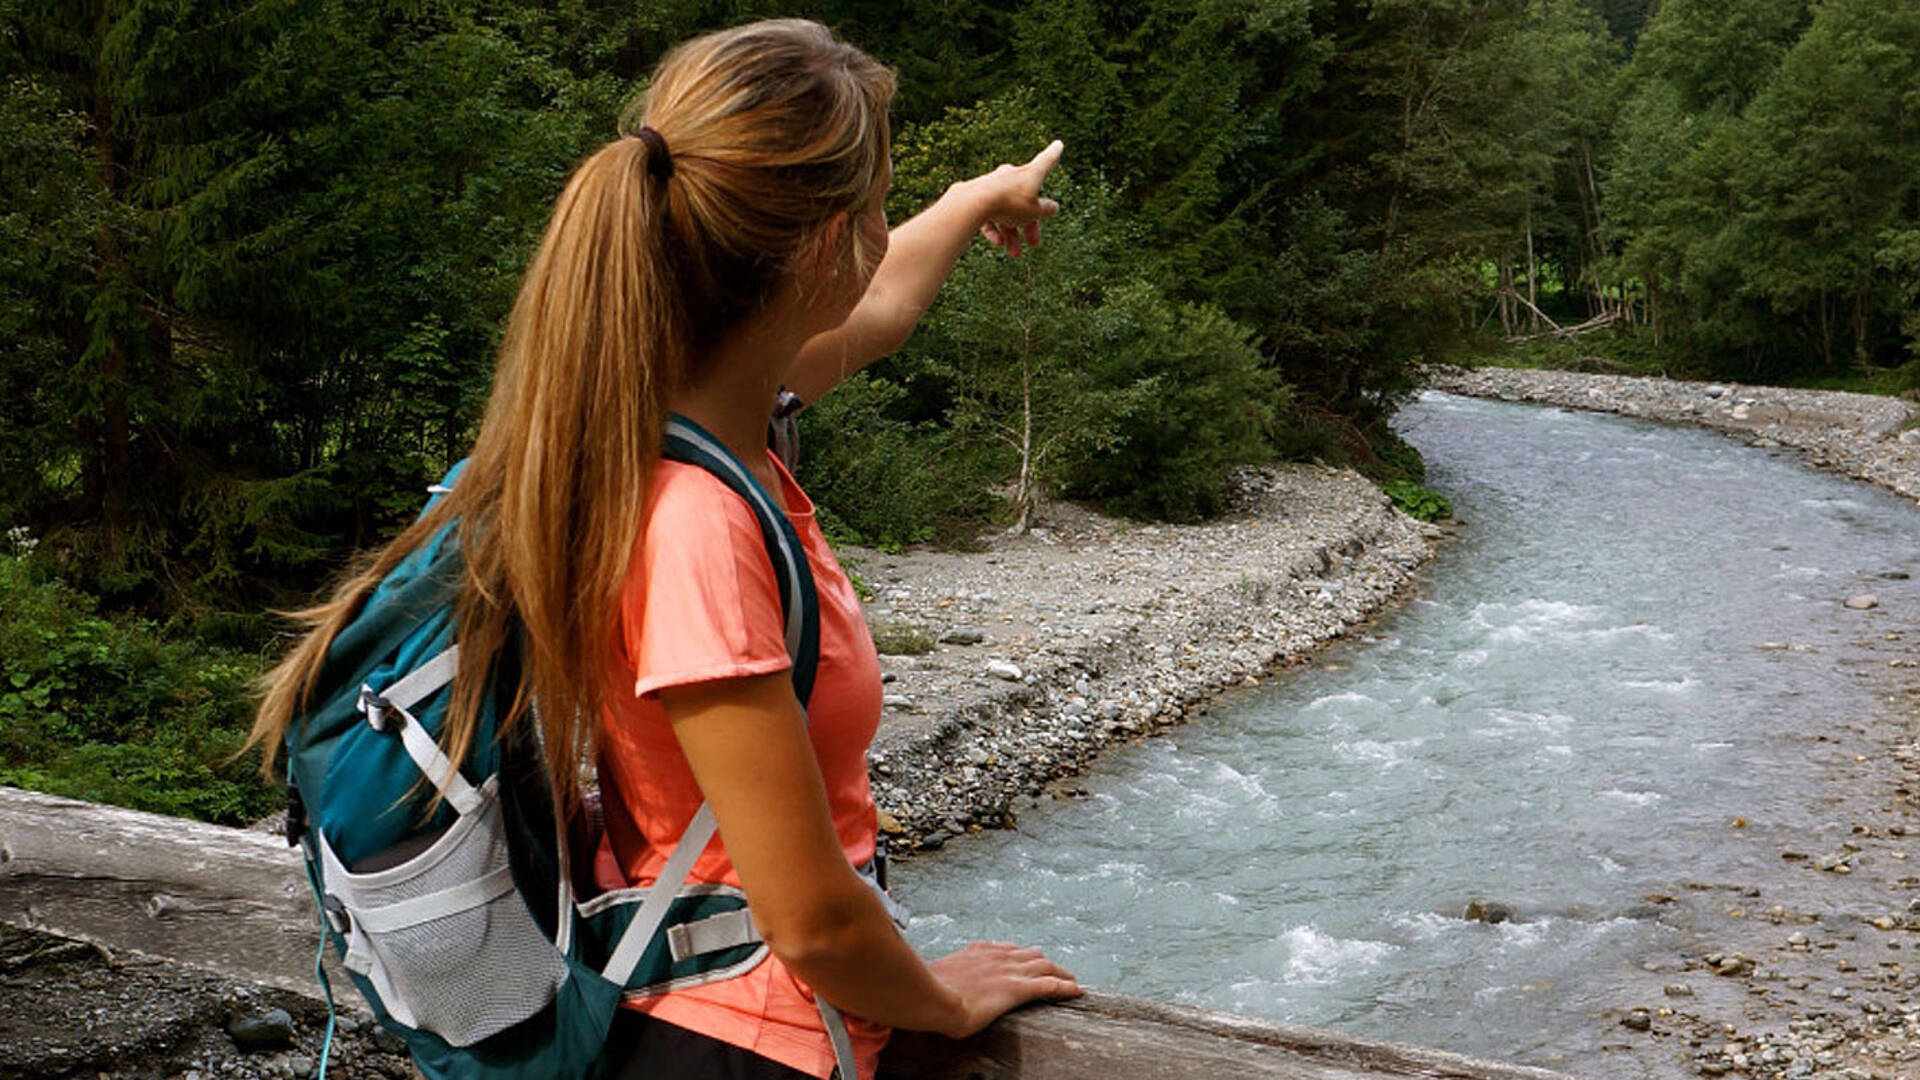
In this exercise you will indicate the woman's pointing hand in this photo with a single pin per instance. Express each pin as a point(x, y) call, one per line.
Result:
point(1011, 205)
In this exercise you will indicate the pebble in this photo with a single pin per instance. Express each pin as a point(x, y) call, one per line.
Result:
point(963, 635)
point(1732, 966)
point(267, 1030)
point(1001, 669)
point(1863, 602)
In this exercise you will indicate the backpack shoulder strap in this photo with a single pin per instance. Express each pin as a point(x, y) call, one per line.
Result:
point(689, 443)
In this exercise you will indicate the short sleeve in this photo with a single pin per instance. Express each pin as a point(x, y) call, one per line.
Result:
point(700, 601)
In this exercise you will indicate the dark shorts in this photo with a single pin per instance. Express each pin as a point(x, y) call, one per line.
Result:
point(642, 1048)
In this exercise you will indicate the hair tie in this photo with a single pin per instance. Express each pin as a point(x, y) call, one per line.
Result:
point(659, 162)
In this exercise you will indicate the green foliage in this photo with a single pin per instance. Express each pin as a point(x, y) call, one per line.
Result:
point(1419, 502)
point(883, 479)
point(1070, 369)
point(246, 344)
point(1767, 172)
point(1196, 402)
point(107, 709)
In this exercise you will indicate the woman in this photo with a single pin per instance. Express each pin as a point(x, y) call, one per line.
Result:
point(734, 241)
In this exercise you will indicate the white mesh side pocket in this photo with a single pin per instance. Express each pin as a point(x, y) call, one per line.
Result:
point(443, 937)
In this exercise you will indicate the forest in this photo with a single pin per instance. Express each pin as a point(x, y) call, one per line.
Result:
point(254, 258)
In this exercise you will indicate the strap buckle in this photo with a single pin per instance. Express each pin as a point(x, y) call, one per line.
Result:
point(336, 914)
point(380, 713)
point(296, 828)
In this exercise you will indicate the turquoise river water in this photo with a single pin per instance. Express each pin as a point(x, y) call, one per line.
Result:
point(1585, 690)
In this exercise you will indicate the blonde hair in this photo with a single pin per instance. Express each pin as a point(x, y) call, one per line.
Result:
point(772, 129)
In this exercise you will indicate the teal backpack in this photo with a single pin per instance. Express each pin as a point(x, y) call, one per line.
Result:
point(466, 931)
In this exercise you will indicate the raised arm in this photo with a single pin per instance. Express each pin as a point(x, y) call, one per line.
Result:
point(746, 741)
point(1005, 206)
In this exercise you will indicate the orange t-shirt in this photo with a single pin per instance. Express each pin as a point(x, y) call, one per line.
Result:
point(701, 603)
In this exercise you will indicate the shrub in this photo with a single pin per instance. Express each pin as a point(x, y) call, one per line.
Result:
point(1419, 502)
point(106, 709)
point(883, 480)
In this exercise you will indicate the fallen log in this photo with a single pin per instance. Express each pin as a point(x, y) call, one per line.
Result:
point(234, 902)
point(1598, 322)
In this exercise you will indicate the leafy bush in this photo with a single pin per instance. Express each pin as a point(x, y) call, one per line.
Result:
point(1417, 501)
point(1194, 402)
point(884, 479)
point(106, 709)
point(1072, 369)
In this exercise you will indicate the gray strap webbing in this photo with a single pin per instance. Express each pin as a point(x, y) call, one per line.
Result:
point(402, 695)
point(653, 910)
point(837, 1035)
point(465, 896)
point(732, 929)
point(424, 680)
point(439, 768)
point(715, 933)
point(896, 910)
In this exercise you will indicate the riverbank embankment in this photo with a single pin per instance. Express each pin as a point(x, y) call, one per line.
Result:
point(1009, 668)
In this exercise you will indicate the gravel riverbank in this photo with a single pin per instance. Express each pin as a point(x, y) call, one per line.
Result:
point(1801, 973)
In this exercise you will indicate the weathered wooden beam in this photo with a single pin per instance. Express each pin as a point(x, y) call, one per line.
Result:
point(1110, 1037)
point(228, 900)
point(235, 902)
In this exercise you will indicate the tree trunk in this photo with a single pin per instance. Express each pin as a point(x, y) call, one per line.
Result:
point(112, 472)
point(1861, 358)
point(1826, 332)
point(1533, 267)
point(1506, 298)
point(1023, 491)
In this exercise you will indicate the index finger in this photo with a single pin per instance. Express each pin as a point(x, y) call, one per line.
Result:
point(1047, 158)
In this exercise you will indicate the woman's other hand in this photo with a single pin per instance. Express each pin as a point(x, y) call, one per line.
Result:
point(992, 977)
point(1011, 202)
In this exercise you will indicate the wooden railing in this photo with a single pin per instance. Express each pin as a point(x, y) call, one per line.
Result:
point(234, 902)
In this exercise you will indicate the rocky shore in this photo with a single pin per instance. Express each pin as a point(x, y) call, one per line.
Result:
point(1802, 972)
point(1008, 669)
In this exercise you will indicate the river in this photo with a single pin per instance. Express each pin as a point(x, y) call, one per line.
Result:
point(1616, 684)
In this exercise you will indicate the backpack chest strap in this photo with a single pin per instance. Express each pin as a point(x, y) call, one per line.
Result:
point(732, 929)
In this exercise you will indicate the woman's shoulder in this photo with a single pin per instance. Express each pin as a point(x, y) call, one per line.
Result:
point(695, 526)
point(683, 494)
